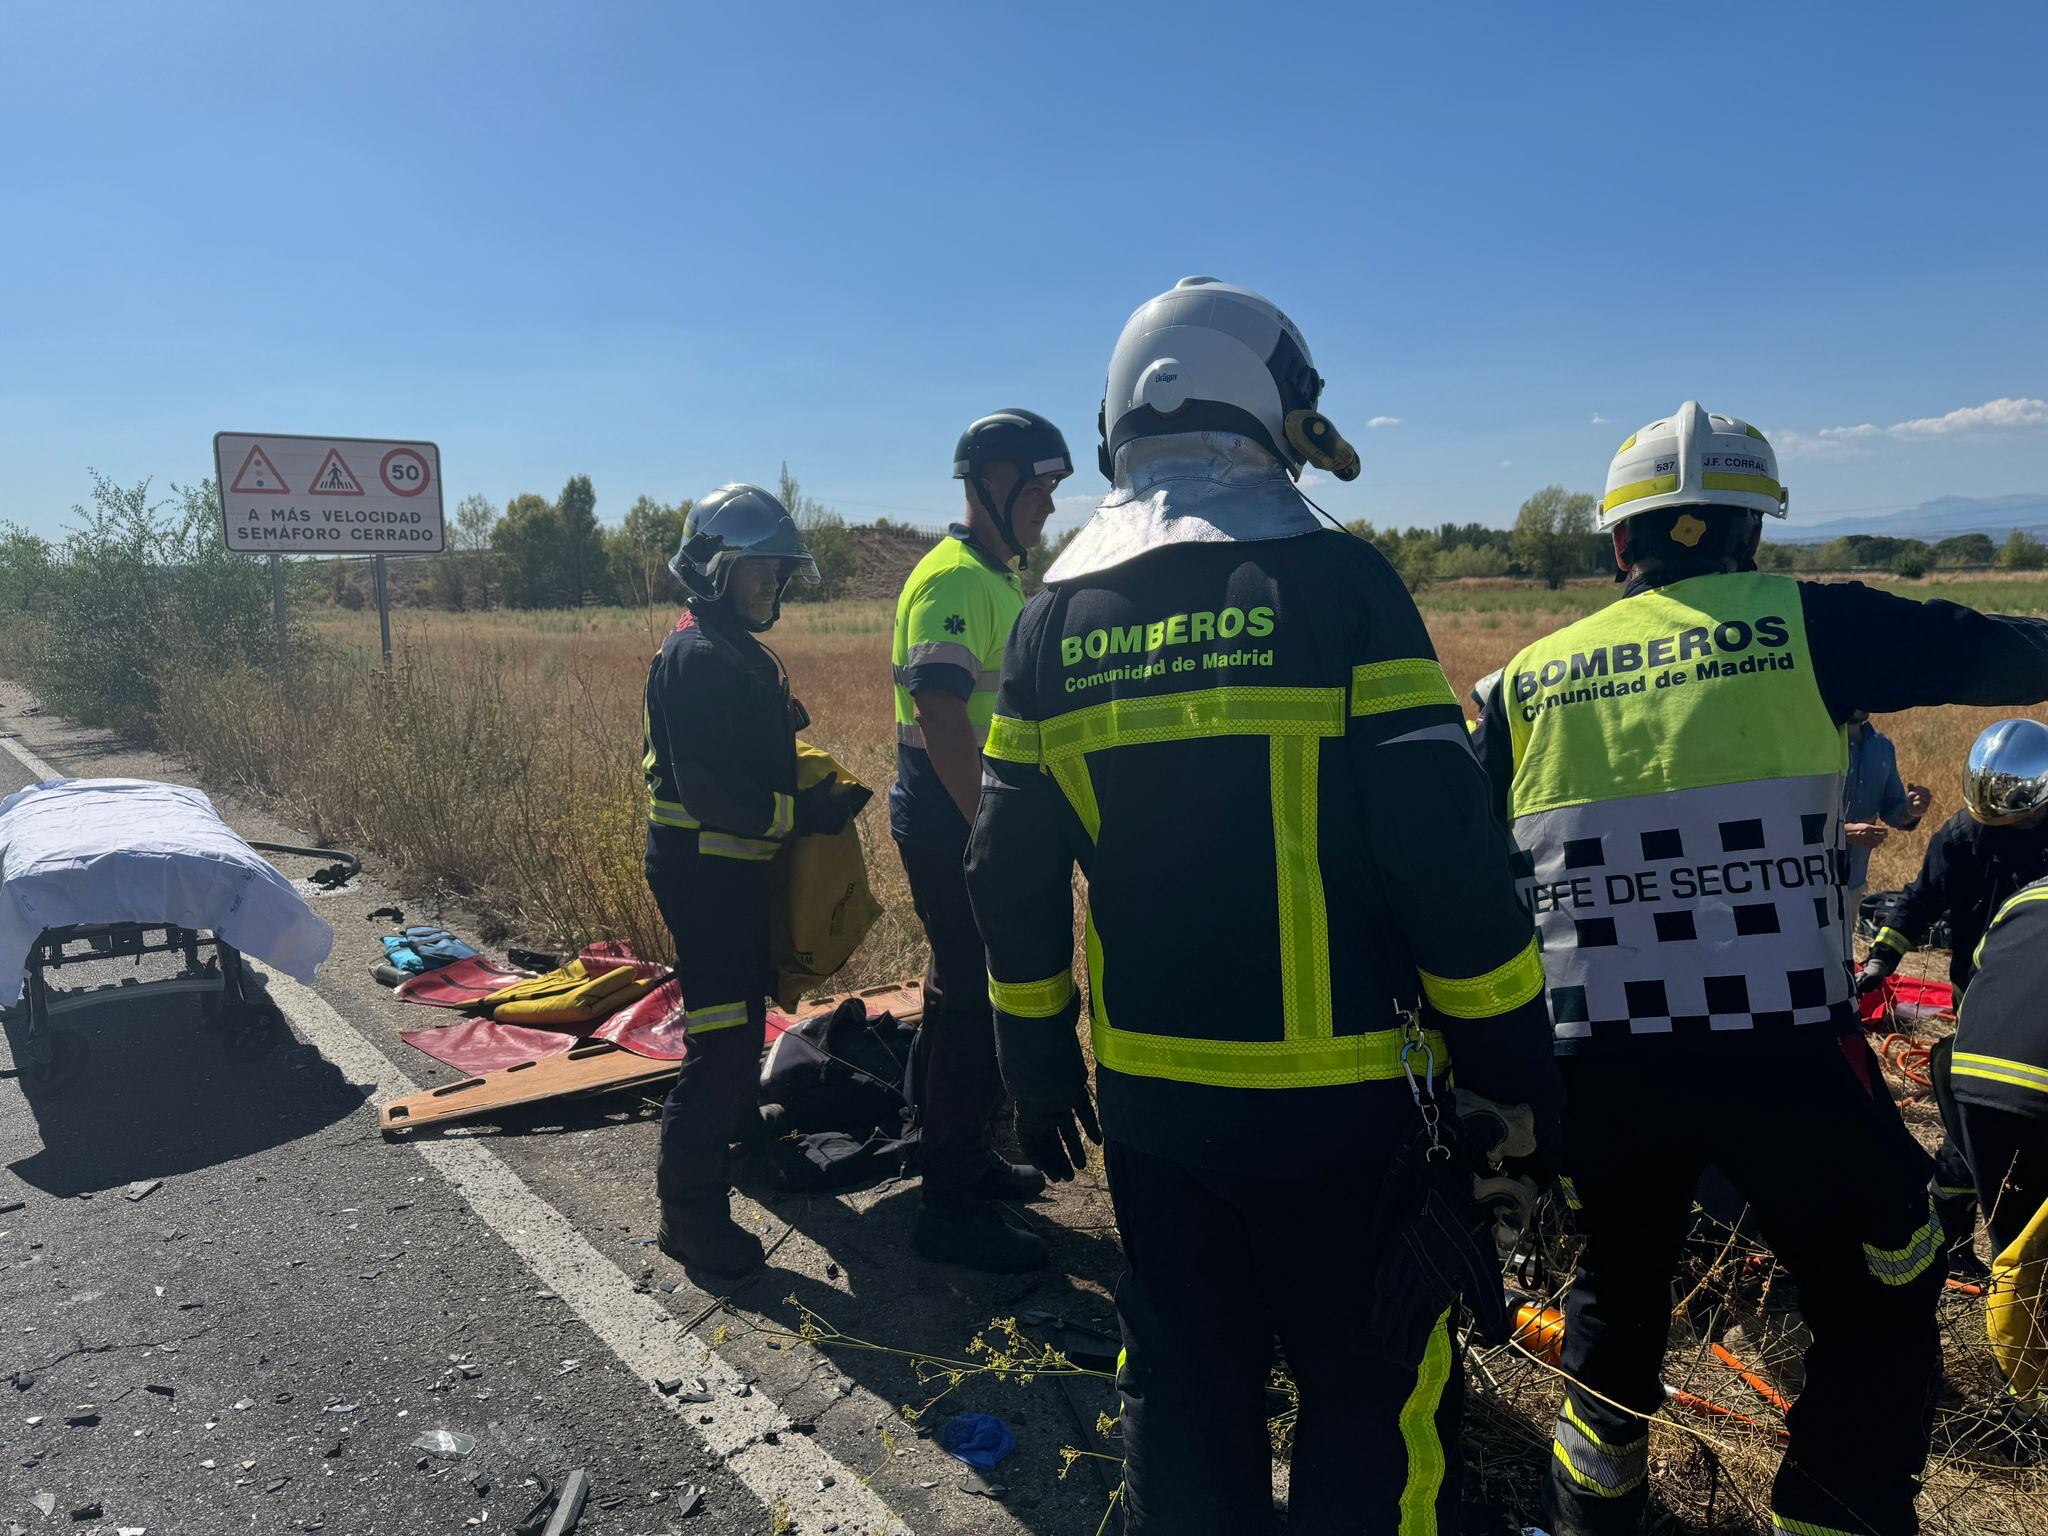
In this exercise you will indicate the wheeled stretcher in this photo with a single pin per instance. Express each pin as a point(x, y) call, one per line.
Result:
point(93, 870)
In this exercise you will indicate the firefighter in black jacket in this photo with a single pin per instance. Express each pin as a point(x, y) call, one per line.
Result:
point(1995, 845)
point(721, 780)
point(1988, 850)
point(1230, 716)
point(1672, 766)
point(1994, 1098)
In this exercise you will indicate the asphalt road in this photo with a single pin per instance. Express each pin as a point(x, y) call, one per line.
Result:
point(257, 1342)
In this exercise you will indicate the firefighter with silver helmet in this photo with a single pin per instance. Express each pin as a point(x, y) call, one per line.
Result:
point(1300, 920)
point(1671, 768)
point(953, 621)
point(1995, 844)
point(721, 782)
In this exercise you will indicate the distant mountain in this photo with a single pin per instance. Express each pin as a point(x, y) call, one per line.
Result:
point(1933, 520)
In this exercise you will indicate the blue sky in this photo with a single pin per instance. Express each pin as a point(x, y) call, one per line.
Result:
point(670, 245)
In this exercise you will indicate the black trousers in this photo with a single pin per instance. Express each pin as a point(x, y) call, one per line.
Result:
point(1216, 1266)
point(957, 1083)
point(2008, 1159)
point(716, 910)
point(1840, 1190)
point(1955, 1192)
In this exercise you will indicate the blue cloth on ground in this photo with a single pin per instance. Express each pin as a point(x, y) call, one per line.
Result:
point(978, 1439)
point(424, 948)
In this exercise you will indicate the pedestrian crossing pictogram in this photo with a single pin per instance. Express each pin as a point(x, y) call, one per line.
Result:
point(335, 477)
point(258, 475)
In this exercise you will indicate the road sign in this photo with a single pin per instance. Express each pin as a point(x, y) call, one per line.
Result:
point(335, 478)
point(287, 495)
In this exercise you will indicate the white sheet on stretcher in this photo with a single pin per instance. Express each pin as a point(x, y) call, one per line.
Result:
point(133, 851)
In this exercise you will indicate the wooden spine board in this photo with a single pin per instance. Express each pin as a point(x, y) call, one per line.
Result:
point(594, 1066)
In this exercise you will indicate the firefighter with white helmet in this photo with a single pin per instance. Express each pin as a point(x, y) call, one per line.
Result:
point(1672, 771)
point(1228, 714)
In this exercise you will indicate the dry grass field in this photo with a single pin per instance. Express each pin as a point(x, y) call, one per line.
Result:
point(499, 759)
point(498, 763)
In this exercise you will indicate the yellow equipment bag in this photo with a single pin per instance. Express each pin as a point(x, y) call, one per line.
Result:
point(822, 907)
point(2014, 1315)
point(575, 994)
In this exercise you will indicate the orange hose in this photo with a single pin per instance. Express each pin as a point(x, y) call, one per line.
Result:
point(1705, 1409)
point(1906, 1057)
point(1756, 1383)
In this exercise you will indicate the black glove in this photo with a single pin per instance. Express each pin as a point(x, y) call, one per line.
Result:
point(1050, 1130)
point(1432, 1246)
point(825, 808)
point(1881, 964)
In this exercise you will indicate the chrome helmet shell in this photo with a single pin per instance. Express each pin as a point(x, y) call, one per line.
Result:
point(2007, 776)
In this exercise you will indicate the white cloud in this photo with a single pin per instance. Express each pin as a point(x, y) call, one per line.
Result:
point(1601, 421)
point(1992, 416)
point(1507, 463)
point(2002, 415)
point(1313, 477)
point(1386, 421)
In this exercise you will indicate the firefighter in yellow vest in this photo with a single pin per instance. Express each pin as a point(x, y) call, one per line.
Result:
point(1672, 771)
point(953, 621)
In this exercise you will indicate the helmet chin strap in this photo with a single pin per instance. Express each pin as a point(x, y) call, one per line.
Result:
point(1004, 520)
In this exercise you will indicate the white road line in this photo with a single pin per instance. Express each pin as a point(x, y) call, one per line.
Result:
point(644, 1334)
point(29, 760)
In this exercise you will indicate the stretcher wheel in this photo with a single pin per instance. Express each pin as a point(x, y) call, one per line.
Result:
point(50, 1062)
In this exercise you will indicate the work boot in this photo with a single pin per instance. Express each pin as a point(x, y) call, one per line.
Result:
point(977, 1236)
point(701, 1234)
point(1004, 1180)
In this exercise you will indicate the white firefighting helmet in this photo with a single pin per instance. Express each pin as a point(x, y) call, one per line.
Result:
point(1208, 356)
point(1692, 458)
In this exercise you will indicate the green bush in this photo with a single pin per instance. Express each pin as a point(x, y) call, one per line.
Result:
point(135, 586)
point(1911, 563)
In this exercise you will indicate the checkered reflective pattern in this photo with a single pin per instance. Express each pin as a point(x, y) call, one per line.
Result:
point(1695, 911)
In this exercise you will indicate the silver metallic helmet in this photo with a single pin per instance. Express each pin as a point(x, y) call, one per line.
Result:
point(2007, 777)
point(737, 522)
point(1209, 356)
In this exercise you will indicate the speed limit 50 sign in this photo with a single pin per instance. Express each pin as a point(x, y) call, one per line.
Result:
point(287, 495)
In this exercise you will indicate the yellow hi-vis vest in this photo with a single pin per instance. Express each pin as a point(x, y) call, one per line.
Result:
point(1676, 805)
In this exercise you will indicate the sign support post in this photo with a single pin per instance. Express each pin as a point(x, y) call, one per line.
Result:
point(277, 600)
point(383, 584)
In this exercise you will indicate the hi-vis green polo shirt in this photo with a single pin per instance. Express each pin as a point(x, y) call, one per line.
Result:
point(952, 622)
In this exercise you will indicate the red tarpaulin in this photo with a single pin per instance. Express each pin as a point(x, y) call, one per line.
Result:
point(463, 984)
point(1904, 1000)
point(651, 1026)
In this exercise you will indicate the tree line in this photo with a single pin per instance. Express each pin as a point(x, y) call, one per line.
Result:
point(542, 553)
point(1556, 538)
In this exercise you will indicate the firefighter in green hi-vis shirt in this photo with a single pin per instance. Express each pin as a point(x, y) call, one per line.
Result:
point(1672, 771)
point(952, 624)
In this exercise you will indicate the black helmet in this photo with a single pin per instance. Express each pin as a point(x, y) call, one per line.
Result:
point(1018, 437)
point(738, 522)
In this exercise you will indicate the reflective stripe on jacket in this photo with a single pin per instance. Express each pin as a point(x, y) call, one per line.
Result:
point(2001, 1049)
point(1252, 753)
point(720, 740)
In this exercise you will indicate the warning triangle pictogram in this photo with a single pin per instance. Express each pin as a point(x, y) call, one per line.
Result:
point(259, 475)
point(335, 477)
